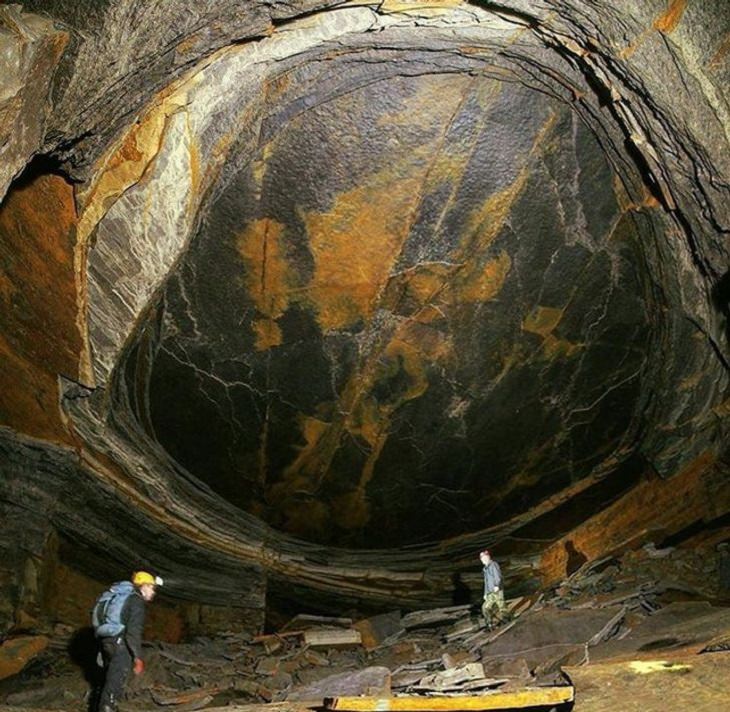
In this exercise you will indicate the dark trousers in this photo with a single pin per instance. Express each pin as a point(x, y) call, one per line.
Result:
point(118, 665)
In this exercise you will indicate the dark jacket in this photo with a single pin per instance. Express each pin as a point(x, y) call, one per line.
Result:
point(133, 619)
point(492, 577)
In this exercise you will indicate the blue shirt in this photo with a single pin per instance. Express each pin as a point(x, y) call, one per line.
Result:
point(492, 577)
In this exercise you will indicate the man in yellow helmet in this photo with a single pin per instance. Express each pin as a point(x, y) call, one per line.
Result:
point(118, 619)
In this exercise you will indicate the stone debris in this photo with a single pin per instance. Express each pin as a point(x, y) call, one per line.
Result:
point(603, 613)
point(16, 653)
point(373, 681)
point(172, 697)
point(437, 616)
point(305, 621)
point(378, 629)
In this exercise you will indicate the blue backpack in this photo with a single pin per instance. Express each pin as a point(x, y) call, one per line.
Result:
point(106, 617)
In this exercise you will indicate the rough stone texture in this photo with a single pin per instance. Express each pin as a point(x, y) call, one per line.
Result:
point(150, 184)
point(15, 654)
point(125, 50)
point(230, 156)
point(23, 546)
point(344, 368)
point(30, 48)
point(40, 336)
point(368, 682)
point(550, 634)
point(701, 492)
point(106, 532)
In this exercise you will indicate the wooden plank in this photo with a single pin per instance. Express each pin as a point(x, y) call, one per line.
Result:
point(515, 699)
point(332, 638)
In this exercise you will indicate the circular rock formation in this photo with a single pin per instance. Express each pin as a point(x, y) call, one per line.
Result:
point(418, 295)
point(330, 279)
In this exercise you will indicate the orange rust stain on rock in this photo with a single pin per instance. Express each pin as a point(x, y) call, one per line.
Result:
point(301, 474)
point(355, 245)
point(267, 334)
point(268, 277)
point(667, 22)
point(622, 196)
point(648, 199)
point(123, 167)
point(427, 290)
point(38, 307)
point(543, 321)
point(487, 221)
point(412, 348)
point(354, 276)
point(187, 44)
point(361, 416)
point(420, 285)
point(357, 241)
point(720, 57)
point(653, 508)
point(484, 283)
point(17, 652)
point(690, 382)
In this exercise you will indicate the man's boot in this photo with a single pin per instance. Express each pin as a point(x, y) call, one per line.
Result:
point(110, 706)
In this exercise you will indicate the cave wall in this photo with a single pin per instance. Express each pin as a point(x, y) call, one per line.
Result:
point(49, 493)
point(31, 47)
point(338, 369)
point(41, 338)
point(160, 122)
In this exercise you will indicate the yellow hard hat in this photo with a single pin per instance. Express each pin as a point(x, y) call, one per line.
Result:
point(139, 578)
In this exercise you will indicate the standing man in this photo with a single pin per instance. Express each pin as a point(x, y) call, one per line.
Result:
point(493, 608)
point(118, 619)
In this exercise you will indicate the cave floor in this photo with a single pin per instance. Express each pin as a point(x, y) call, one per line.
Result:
point(618, 656)
point(691, 681)
point(626, 637)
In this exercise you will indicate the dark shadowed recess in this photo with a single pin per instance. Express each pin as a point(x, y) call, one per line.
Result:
point(419, 297)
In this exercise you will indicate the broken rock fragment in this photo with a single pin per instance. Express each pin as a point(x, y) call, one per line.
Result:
point(372, 681)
